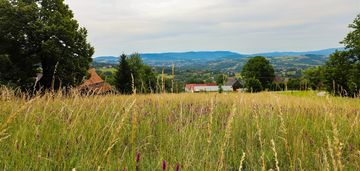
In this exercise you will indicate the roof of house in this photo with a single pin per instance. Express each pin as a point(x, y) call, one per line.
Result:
point(95, 83)
point(277, 79)
point(93, 79)
point(102, 88)
point(230, 81)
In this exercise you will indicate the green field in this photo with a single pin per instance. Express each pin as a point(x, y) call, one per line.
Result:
point(263, 131)
point(112, 70)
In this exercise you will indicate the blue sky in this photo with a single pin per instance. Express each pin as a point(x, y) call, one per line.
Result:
point(244, 26)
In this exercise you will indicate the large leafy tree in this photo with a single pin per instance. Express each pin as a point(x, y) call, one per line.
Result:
point(137, 70)
point(352, 40)
point(65, 54)
point(337, 72)
point(261, 69)
point(352, 44)
point(315, 77)
point(342, 71)
point(42, 36)
point(149, 79)
point(19, 41)
point(221, 79)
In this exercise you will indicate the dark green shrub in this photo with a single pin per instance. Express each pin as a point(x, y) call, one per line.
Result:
point(253, 85)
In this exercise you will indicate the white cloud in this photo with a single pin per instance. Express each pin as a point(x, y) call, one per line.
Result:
point(117, 26)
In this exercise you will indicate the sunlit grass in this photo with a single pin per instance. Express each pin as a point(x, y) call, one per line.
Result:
point(188, 131)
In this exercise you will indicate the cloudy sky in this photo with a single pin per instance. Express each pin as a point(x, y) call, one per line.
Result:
point(244, 26)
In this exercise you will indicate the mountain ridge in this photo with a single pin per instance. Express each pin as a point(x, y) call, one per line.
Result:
point(227, 61)
point(324, 52)
point(211, 55)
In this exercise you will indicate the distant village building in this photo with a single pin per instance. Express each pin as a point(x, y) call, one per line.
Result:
point(193, 87)
point(196, 88)
point(234, 83)
point(95, 85)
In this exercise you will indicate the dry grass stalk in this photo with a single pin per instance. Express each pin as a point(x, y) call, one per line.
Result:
point(226, 137)
point(209, 127)
point(336, 146)
point(117, 130)
point(331, 150)
point(259, 132)
point(172, 77)
point(163, 90)
point(134, 121)
point(300, 164)
point(241, 162)
point(284, 131)
point(275, 155)
point(13, 115)
point(325, 160)
point(210, 120)
point(133, 84)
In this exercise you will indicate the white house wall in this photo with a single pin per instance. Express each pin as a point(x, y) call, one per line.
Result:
point(211, 88)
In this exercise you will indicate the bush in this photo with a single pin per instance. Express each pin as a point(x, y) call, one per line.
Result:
point(221, 90)
point(253, 85)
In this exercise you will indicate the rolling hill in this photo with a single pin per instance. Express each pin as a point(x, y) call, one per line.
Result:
point(324, 52)
point(227, 61)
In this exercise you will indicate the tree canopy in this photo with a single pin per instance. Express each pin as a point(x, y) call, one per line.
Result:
point(221, 79)
point(315, 77)
point(253, 85)
point(342, 71)
point(261, 69)
point(123, 78)
point(42, 36)
point(133, 70)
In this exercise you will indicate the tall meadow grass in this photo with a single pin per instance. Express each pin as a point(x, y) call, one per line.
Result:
point(179, 132)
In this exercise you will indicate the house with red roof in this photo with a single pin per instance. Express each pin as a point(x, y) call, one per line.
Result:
point(95, 84)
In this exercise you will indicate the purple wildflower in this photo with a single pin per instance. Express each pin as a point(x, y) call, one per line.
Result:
point(164, 165)
point(138, 157)
point(177, 167)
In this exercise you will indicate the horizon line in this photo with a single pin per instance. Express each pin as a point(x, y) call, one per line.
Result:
point(199, 51)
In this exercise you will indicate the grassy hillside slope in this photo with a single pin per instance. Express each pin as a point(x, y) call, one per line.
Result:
point(188, 131)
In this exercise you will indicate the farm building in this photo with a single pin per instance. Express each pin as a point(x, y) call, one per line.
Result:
point(234, 83)
point(95, 84)
point(194, 88)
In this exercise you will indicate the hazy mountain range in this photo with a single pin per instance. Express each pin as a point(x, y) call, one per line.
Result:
point(227, 60)
point(210, 55)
